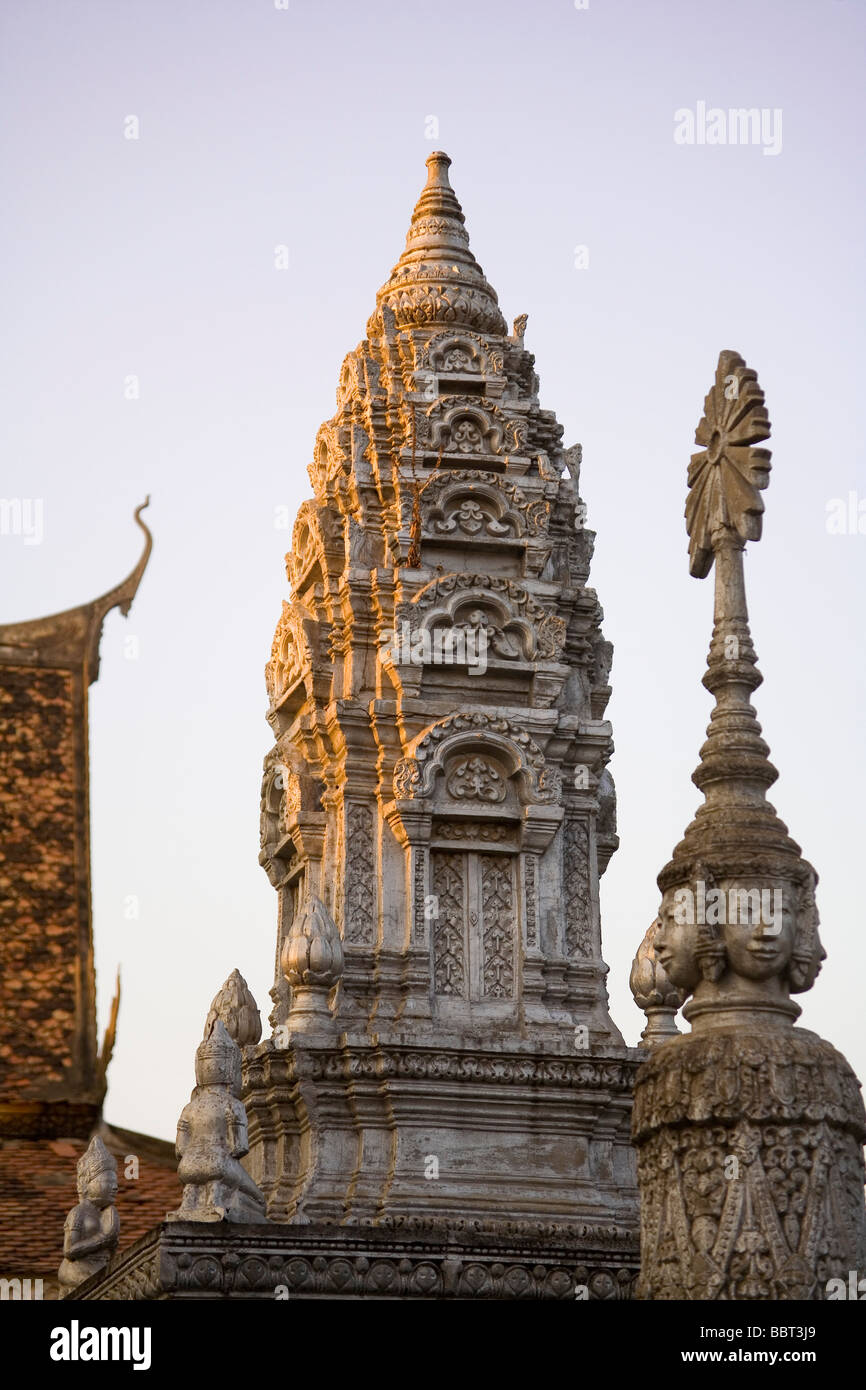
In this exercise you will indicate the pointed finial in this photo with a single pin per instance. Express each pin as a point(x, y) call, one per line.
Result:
point(723, 511)
point(438, 164)
point(653, 991)
point(726, 478)
point(739, 925)
point(437, 280)
point(236, 1007)
point(312, 962)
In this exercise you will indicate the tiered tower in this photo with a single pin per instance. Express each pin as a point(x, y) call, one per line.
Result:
point(436, 810)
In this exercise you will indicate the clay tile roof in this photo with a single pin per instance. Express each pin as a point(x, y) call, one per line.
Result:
point(37, 1190)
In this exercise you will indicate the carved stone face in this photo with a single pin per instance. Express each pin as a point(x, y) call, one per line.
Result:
point(759, 934)
point(674, 946)
point(102, 1188)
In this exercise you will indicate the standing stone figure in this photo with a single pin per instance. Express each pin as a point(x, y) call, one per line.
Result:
point(212, 1138)
point(92, 1228)
point(749, 1130)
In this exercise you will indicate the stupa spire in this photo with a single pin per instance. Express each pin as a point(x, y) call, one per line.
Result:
point(723, 511)
point(437, 280)
point(438, 224)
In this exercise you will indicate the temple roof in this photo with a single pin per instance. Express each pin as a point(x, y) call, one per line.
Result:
point(38, 1189)
point(69, 638)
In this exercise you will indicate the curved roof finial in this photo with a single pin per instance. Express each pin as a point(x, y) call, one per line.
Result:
point(72, 636)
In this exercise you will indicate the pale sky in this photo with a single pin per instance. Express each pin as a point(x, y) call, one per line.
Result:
point(309, 127)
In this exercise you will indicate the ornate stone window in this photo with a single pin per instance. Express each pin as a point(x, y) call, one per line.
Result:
point(475, 924)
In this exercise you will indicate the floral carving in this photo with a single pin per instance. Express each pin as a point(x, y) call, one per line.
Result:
point(460, 352)
point(426, 304)
point(412, 773)
point(466, 436)
point(460, 424)
point(764, 1202)
point(449, 952)
point(474, 830)
point(407, 779)
point(292, 650)
point(470, 518)
point(516, 435)
point(529, 1264)
point(472, 503)
point(419, 888)
point(497, 899)
point(530, 899)
point(359, 926)
point(476, 779)
point(523, 630)
point(726, 478)
point(578, 920)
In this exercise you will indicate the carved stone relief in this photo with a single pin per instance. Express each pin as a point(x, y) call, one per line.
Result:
point(578, 909)
point(530, 898)
point(360, 893)
point(498, 915)
point(449, 953)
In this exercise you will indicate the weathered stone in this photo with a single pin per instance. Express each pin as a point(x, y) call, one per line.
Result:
point(749, 1130)
point(92, 1228)
point(653, 991)
point(394, 1260)
point(312, 962)
point(212, 1138)
point(236, 1007)
point(438, 790)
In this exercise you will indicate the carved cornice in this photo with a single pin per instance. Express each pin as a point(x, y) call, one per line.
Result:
point(614, 1075)
point(430, 1260)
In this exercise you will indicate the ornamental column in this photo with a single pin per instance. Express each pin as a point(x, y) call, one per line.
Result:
point(749, 1130)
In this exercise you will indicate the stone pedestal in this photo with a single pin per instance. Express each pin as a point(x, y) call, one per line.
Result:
point(750, 1166)
point(362, 1131)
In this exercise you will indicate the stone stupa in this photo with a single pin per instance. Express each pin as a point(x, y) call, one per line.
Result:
point(443, 1107)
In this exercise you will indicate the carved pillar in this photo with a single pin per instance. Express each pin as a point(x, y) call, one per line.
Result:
point(749, 1130)
point(533, 956)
